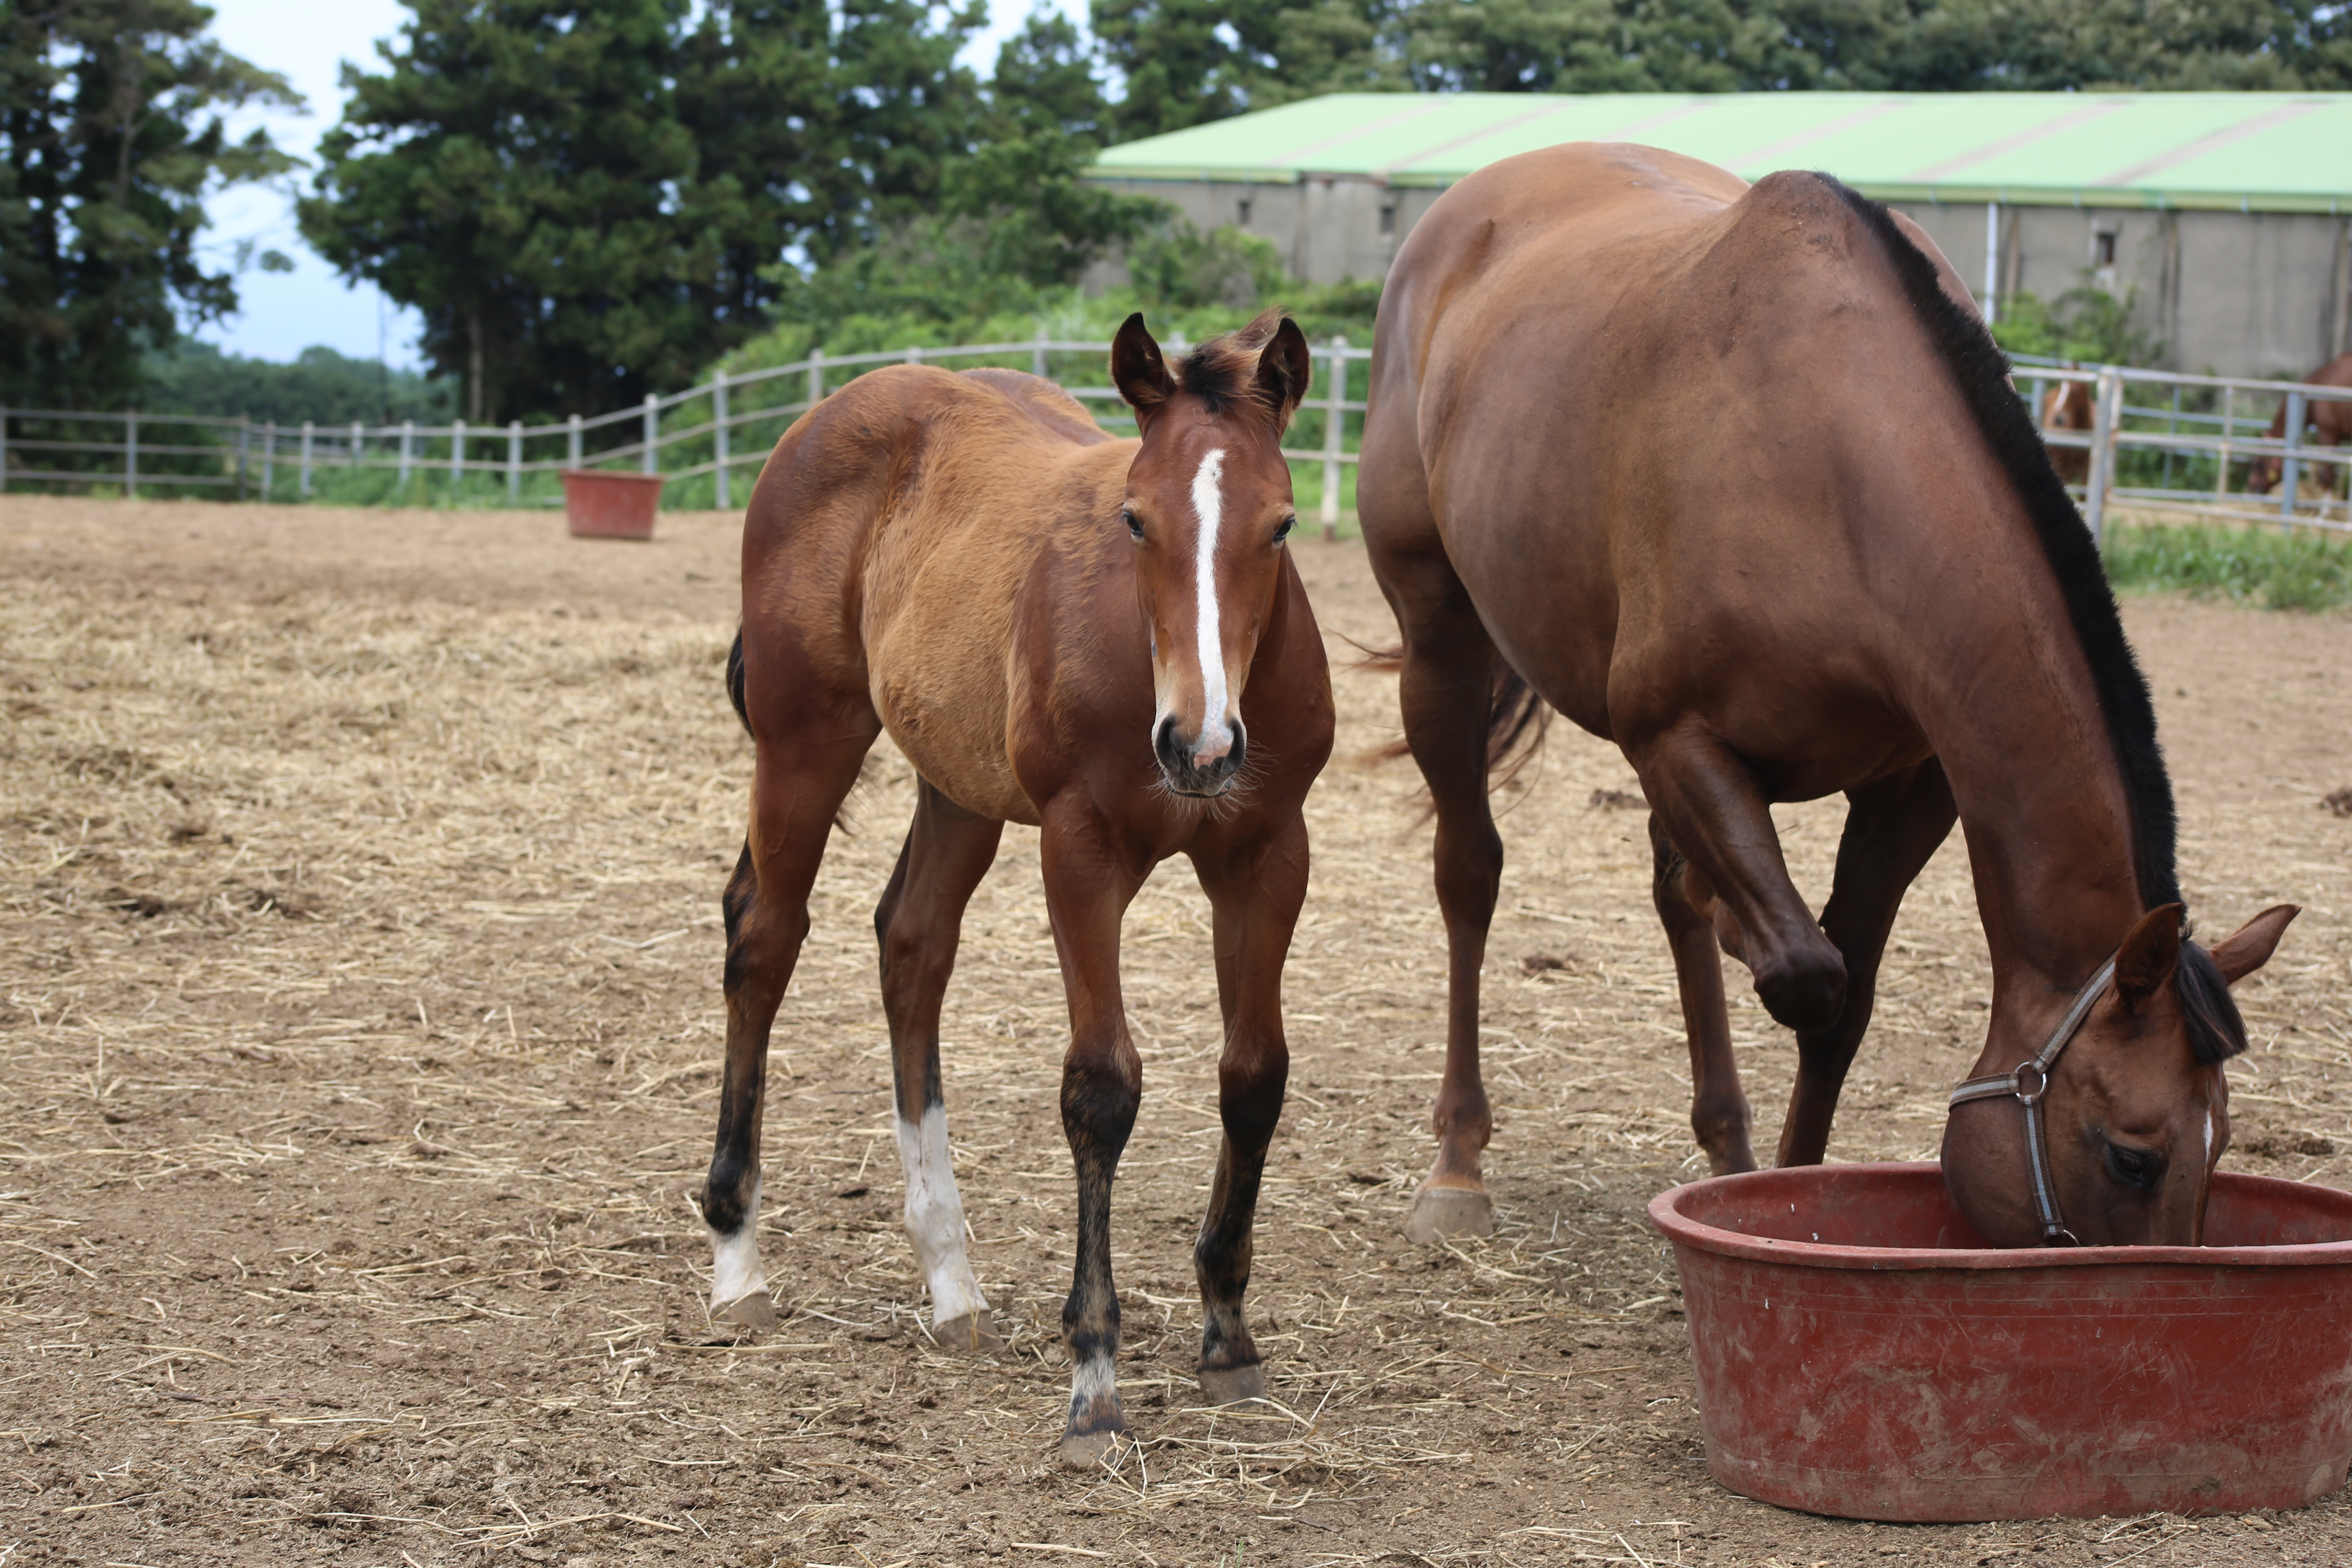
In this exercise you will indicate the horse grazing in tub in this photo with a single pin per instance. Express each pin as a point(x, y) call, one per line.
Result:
point(2331, 426)
point(1103, 639)
point(1733, 477)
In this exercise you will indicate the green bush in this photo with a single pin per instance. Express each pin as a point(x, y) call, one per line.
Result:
point(2250, 565)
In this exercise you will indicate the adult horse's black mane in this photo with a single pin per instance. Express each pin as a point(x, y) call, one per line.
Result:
point(1981, 371)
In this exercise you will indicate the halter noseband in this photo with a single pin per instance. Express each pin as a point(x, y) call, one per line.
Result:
point(2013, 1082)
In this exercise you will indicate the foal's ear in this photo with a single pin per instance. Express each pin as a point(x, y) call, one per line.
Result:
point(1284, 369)
point(1138, 372)
point(2149, 957)
point(2249, 947)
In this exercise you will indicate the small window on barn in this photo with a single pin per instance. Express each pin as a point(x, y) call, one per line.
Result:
point(1387, 218)
point(2103, 248)
point(1242, 212)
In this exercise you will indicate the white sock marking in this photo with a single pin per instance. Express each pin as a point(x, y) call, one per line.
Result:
point(735, 1271)
point(935, 1217)
point(1094, 1377)
point(1209, 504)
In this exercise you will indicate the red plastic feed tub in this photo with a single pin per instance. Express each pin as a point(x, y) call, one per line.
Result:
point(1861, 1352)
point(600, 503)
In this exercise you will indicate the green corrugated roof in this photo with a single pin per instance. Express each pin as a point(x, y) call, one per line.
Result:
point(2264, 151)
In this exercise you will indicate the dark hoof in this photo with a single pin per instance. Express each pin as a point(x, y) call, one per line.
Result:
point(1233, 1385)
point(1088, 1450)
point(753, 1311)
point(1440, 1212)
point(973, 1333)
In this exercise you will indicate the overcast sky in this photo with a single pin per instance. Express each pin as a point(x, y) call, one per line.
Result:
point(286, 312)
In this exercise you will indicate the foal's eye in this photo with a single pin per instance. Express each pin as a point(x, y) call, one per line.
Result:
point(2138, 1168)
point(1282, 530)
point(1134, 523)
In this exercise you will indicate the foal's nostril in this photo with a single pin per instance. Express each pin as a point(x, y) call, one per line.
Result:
point(1168, 748)
point(1241, 746)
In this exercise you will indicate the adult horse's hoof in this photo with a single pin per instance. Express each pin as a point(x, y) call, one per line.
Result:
point(751, 1311)
point(1440, 1212)
point(1088, 1450)
point(1233, 1385)
point(972, 1333)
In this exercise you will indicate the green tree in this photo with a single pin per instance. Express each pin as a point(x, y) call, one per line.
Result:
point(583, 198)
point(110, 138)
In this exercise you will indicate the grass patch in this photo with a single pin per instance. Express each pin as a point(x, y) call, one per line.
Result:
point(2250, 565)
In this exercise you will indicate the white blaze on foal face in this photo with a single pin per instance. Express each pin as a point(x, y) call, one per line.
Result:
point(1216, 736)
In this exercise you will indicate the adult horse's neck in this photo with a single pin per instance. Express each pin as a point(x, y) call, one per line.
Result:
point(2011, 705)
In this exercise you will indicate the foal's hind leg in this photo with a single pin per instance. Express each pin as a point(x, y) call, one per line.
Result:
point(1444, 693)
point(947, 851)
point(1255, 894)
point(1720, 1114)
point(797, 785)
point(1892, 830)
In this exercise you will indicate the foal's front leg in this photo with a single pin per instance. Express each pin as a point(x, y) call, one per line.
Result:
point(1256, 894)
point(1089, 879)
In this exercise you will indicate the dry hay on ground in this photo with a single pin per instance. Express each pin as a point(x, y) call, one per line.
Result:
point(360, 1016)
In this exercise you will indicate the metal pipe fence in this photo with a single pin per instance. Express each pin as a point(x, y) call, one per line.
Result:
point(2158, 441)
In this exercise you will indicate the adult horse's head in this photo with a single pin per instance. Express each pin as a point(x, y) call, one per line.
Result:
point(2133, 1108)
point(1208, 505)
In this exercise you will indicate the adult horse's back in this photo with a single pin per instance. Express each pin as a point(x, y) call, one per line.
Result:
point(1732, 475)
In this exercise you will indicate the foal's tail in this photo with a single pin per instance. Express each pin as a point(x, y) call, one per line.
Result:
point(735, 681)
point(1516, 718)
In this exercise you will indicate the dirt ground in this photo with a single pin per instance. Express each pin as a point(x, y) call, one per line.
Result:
point(360, 1015)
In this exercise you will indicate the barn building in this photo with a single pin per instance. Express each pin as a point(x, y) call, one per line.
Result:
point(2222, 217)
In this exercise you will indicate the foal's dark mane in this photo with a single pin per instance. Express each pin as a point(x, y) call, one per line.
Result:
point(1223, 372)
point(1980, 371)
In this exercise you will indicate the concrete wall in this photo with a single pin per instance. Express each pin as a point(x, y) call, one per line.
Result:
point(2266, 294)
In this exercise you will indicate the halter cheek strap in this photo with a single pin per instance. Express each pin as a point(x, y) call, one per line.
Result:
point(2027, 1082)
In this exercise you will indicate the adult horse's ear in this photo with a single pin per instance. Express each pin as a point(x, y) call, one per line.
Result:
point(2145, 963)
point(1283, 368)
point(2249, 947)
point(1138, 372)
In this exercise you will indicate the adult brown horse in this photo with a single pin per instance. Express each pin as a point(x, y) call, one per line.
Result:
point(1103, 638)
point(1731, 476)
point(2067, 406)
point(2331, 426)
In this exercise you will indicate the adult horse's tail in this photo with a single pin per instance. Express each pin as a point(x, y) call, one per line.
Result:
point(735, 681)
point(1516, 718)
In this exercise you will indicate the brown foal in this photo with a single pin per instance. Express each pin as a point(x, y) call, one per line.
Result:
point(1733, 477)
point(1103, 639)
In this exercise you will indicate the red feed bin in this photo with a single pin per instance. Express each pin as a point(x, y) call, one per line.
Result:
point(1860, 1352)
point(599, 503)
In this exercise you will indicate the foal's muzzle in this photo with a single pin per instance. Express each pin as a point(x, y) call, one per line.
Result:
point(1184, 774)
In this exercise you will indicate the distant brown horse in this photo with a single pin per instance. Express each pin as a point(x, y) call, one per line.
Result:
point(1733, 476)
point(2067, 406)
point(1105, 638)
point(2331, 426)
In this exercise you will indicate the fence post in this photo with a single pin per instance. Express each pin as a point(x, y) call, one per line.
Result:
point(1037, 356)
point(514, 462)
point(457, 453)
point(574, 448)
point(358, 440)
point(130, 458)
point(2291, 462)
point(308, 431)
point(719, 436)
point(651, 464)
point(244, 446)
point(816, 377)
point(2105, 396)
point(1335, 420)
point(407, 444)
point(268, 458)
point(2229, 428)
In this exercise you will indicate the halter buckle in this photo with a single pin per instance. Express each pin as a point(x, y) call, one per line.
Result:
point(2041, 1084)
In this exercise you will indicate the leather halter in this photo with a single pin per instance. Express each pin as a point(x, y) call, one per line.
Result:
point(2013, 1082)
